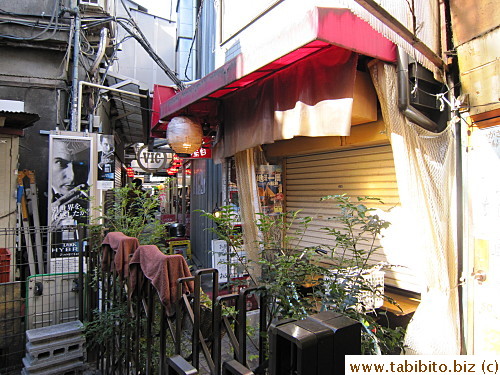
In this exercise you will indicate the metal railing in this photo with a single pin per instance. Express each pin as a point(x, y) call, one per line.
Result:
point(130, 333)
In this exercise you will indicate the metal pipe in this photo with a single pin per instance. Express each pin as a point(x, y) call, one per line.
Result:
point(411, 113)
point(80, 234)
point(183, 194)
point(75, 99)
point(460, 227)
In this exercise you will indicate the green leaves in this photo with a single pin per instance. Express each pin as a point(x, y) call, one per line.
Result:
point(360, 227)
point(295, 280)
point(133, 212)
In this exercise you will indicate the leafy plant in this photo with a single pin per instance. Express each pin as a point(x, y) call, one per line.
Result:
point(348, 289)
point(225, 230)
point(288, 268)
point(360, 228)
point(132, 211)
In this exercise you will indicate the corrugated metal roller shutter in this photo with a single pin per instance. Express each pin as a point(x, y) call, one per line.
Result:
point(361, 172)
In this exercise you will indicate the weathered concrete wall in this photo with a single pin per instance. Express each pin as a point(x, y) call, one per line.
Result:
point(476, 35)
point(9, 149)
point(35, 8)
point(31, 63)
point(479, 62)
point(36, 77)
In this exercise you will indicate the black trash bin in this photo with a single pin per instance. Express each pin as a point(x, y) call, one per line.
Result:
point(316, 345)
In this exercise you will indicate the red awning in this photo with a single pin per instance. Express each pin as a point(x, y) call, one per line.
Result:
point(320, 29)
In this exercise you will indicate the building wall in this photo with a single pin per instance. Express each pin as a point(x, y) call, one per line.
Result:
point(36, 77)
point(134, 61)
point(185, 49)
point(472, 18)
point(476, 37)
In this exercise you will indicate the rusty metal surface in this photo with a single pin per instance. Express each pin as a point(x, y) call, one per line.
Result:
point(471, 18)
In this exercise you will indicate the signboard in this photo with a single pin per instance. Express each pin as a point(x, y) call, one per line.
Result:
point(202, 153)
point(105, 162)
point(270, 188)
point(70, 178)
point(220, 260)
point(152, 161)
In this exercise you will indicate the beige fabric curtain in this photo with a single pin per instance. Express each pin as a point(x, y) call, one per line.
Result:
point(249, 206)
point(425, 171)
point(426, 26)
point(310, 98)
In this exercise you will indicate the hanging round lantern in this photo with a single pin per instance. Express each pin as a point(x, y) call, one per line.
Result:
point(184, 135)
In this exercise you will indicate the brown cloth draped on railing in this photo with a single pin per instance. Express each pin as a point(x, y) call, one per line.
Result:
point(162, 270)
point(122, 246)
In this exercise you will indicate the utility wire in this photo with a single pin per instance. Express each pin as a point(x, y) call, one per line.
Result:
point(198, 16)
point(136, 32)
point(55, 14)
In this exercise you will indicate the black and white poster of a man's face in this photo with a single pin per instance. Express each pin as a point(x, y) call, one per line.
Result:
point(69, 176)
point(70, 159)
point(105, 162)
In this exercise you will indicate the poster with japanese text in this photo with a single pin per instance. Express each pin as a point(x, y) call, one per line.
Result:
point(70, 178)
point(105, 162)
point(270, 188)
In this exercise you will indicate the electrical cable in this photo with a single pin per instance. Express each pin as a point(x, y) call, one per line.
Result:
point(89, 50)
point(157, 59)
point(141, 38)
point(196, 27)
point(55, 14)
point(135, 105)
point(104, 75)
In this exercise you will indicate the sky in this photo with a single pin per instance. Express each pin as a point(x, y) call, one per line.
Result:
point(160, 8)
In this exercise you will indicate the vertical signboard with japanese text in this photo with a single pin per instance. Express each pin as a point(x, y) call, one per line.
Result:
point(105, 162)
point(270, 188)
point(70, 178)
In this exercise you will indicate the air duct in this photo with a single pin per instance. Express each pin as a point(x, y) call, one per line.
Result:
point(410, 112)
point(103, 43)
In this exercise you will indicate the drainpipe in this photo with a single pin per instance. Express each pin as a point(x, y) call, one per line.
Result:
point(411, 113)
point(74, 86)
point(460, 222)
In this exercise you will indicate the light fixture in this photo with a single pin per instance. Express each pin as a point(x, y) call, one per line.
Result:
point(184, 135)
point(217, 212)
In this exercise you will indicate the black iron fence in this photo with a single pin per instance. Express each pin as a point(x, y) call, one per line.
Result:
point(131, 331)
point(50, 276)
